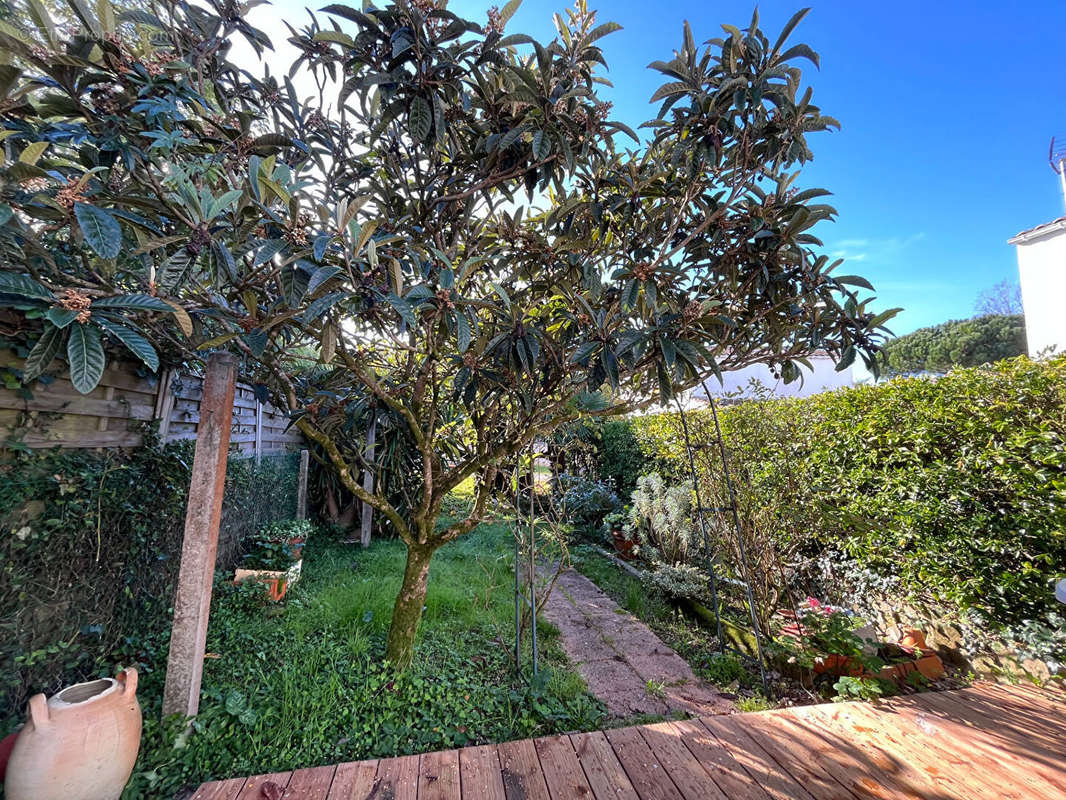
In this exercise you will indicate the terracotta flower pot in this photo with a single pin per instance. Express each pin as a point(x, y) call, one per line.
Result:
point(835, 664)
point(623, 546)
point(79, 744)
point(930, 667)
point(276, 581)
point(914, 639)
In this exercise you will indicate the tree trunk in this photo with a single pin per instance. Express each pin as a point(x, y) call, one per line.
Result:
point(407, 613)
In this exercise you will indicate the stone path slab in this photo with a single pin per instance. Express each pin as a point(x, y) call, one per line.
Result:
point(623, 662)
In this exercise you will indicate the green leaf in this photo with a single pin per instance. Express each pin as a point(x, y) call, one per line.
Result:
point(23, 286)
point(320, 276)
point(220, 204)
point(85, 354)
point(403, 308)
point(322, 305)
point(101, 230)
point(136, 302)
point(269, 249)
point(174, 268)
point(134, 342)
point(463, 331)
point(855, 280)
point(602, 30)
point(420, 119)
point(43, 353)
point(542, 145)
point(32, 152)
point(789, 27)
point(60, 317)
point(509, 10)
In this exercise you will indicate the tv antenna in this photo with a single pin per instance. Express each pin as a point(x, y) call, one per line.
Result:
point(1057, 159)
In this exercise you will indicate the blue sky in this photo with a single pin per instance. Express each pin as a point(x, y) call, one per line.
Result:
point(947, 110)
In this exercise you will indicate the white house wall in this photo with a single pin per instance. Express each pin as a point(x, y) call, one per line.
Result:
point(824, 377)
point(1042, 273)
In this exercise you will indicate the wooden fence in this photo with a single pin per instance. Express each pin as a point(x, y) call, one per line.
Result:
point(54, 414)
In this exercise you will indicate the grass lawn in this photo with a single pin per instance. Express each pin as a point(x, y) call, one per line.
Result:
point(303, 684)
point(692, 641)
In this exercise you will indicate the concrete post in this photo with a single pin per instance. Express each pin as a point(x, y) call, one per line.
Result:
point(192, 602)
point(301, 486)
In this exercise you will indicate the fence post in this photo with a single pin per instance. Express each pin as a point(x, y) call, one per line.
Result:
point(368, 483)
point(258, 433)
point(301, 486)
point(192, 601)
point(164, 406)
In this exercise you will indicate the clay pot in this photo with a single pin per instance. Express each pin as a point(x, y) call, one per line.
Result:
point(914, 639)
point(623, 546)
point(276, 581)
point(835, 664)
point(79, 744)
point(930, 667)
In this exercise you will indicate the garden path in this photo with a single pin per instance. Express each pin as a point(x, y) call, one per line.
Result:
point(623, 662)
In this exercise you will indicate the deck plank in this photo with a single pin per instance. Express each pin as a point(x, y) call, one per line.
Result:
point(642, 766)
point(688, 775)
point(252, 789)
point(219, 790)
point(727, 773)
point(602, 768)
point(398, 778)
point(438, 776)
point(523, 778)
point(950, 772)
point(1036, 713)
point(868, 772)
point(479, 773)
point(1014, 745)
point(794, 757)
point(310, 784)
point(777, 782)
point(991, 742)
point(562, 770)
point(355, 780)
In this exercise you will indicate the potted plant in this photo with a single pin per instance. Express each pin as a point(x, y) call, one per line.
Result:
point(292, 533)
point(270, 563)
point(909, 656)
point(827, 639)
point(625, 543)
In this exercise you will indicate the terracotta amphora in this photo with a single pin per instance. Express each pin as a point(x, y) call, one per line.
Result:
point(79, 744)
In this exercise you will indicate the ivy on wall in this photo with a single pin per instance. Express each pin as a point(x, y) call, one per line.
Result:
point(90, 552)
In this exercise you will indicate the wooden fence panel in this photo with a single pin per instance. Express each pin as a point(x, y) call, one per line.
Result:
point(54, 414)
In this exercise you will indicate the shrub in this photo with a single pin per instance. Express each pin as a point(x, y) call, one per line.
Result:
point(585, 502)
point(952, 488)
point(679, 581)
point(662, 518)
point(619, 458)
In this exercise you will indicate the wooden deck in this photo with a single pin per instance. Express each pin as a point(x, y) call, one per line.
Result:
point(989, 741)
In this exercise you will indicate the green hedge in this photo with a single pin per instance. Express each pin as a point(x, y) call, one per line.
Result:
point(90, 550)
point(956, 486)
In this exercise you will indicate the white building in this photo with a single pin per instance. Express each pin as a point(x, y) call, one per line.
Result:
point(822, 378)
point(1042, 272)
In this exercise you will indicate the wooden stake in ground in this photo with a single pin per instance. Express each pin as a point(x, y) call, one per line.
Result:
point(192, 602)
point(301, 485)
point(368, 483)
